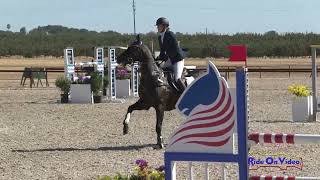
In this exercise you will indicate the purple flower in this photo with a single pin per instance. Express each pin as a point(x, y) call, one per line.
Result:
point(122, 73)
point(84, 79)
point(141, 163)
point(160, 169)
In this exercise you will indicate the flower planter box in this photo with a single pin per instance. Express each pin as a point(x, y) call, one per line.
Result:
point(123, 88)
point(302, 109)
point(81, 93)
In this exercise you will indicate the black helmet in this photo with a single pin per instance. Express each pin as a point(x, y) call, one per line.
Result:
point(162, 20)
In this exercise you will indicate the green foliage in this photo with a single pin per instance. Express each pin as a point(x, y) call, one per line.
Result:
point(142, 172)
point(23, 30)
point(96, 82)
point(105, 81)
point(299, 90)
point(51, 40)
point(116, 177)
point(63, 83)
point(105, 78)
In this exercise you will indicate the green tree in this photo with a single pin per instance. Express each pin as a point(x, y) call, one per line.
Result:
point(23, 30)
point(8, 27)
point(51, 40)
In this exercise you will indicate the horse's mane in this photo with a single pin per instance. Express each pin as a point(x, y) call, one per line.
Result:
point(149, 59)
point(147, 52)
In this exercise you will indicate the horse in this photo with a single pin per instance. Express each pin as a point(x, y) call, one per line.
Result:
point(161, 97)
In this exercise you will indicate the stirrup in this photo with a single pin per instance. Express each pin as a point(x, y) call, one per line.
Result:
point(159, 80)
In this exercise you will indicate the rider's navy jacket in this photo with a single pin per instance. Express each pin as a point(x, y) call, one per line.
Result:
point(169, 48)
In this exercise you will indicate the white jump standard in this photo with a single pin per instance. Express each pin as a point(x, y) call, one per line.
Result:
point(112, 63)
point(193, 130)
point(69, 63)
point(80, 93)
point(99, 55)
point(112, 73)
point(135, 79)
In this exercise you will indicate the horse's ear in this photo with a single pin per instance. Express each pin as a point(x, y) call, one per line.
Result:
point(138, 38)
point(138, 41)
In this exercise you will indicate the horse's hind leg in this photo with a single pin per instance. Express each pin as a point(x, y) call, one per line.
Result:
point(160, 114)
point(139, 105)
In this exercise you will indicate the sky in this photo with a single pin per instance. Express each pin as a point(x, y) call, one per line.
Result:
point(185, 16)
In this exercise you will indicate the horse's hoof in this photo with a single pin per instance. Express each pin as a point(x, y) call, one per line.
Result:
point(159, 146)
point(160, 142)
point(125, 129)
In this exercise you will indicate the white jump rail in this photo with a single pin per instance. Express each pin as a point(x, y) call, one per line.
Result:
point(282, 178)
point(280, 138)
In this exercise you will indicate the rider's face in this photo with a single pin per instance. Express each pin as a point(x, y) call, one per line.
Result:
point(160, 28)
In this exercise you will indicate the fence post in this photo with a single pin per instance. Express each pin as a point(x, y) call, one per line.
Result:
point(190, 171)
point(260, 72)
point(314, 83)
point(206, 171)
point(226, 74)
point(289, 71)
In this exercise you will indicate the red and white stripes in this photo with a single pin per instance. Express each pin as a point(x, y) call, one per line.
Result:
point(282, 178)
point(284, 138)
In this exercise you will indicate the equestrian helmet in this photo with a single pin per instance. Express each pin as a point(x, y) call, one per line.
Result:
point(162, 20)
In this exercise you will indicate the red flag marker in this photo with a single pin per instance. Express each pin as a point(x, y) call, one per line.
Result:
point(238, 53)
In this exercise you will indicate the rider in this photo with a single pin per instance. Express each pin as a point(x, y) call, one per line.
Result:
point(170, 51)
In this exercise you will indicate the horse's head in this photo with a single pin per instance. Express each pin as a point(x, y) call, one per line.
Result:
point(137, 51)
point(202, 91)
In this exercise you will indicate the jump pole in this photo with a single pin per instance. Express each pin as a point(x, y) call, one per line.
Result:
point(262, 177)
point(284, 138)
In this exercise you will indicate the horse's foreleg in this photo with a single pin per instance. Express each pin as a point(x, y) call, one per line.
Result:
point(160, 114)
point(139, 105)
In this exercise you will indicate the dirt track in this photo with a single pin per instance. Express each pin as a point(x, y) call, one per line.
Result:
point(42, 139)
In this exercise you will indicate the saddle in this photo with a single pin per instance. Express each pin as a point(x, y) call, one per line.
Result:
point(168, 74)
point(179, 86)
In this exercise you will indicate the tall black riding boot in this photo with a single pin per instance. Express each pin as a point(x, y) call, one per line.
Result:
point(181, 85)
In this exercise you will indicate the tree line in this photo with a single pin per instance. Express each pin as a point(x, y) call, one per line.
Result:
point(51, 40)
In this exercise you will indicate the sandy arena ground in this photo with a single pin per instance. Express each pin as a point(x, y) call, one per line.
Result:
point(42, 139)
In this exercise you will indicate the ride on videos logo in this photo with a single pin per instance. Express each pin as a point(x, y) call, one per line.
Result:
point(281, 162)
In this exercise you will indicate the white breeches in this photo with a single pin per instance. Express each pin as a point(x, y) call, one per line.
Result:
point(177, 68)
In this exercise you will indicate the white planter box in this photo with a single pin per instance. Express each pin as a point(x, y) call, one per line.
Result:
point(81, 93)
point(123, 88)
point(302, 109)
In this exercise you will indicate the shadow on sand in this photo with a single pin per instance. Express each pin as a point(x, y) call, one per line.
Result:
point(116, 148)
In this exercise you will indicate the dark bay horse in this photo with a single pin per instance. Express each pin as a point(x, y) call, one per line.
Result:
point(151, 94)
